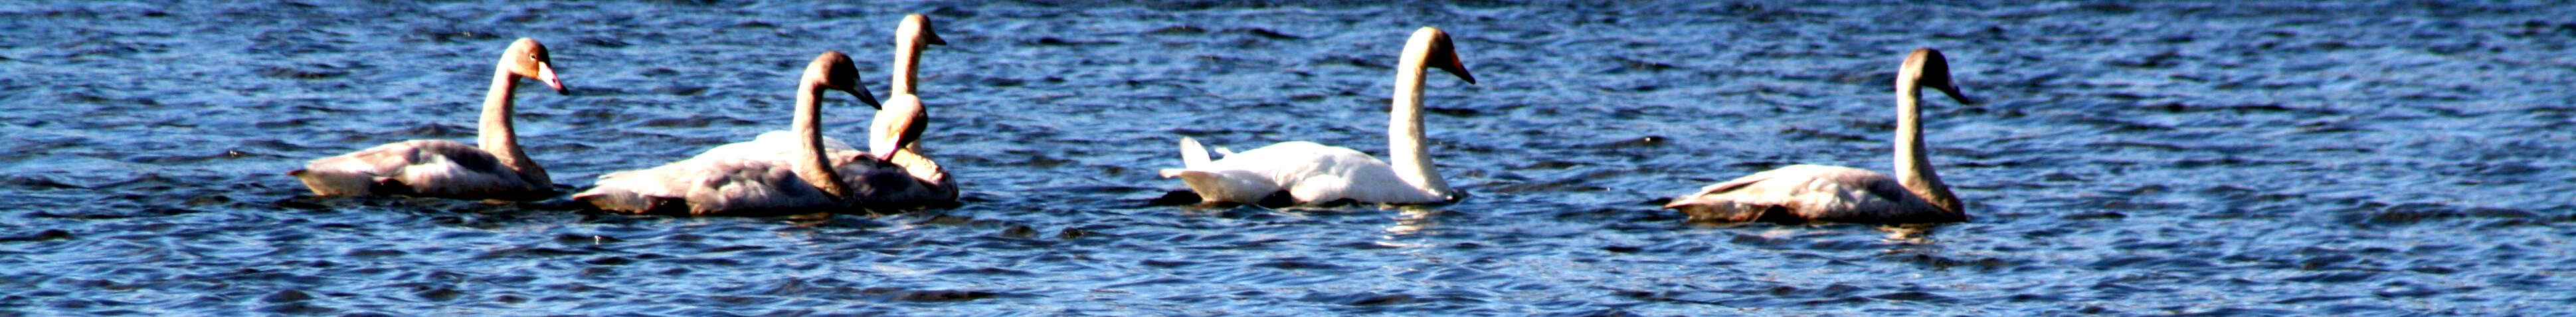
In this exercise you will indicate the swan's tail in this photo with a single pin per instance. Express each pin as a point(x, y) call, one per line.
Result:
point(1192, 154)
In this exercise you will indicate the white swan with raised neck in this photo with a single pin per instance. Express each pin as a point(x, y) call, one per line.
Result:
point(1306, 172)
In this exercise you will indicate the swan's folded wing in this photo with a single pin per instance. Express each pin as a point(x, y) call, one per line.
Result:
point(772, 145)
point(416, 167)
point(640, 191)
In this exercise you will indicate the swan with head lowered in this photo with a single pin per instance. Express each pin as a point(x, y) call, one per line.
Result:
point(1800, 193)
point(736, 185)
point(495, 168)
point(1306, 172)
point(896, 130)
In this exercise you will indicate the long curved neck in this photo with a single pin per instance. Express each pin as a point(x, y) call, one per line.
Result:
point(495, 135)
point(1404, 127)
point(907, 61)
point(1913, 167)
point(810, 164)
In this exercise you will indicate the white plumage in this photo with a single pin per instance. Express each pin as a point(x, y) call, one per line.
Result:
point(1315, 173)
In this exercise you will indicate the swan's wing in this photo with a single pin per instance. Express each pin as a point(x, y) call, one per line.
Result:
point(1809, 192)
point(754, 186)
point(721, 186)
point(637, 191)
point(1341, 173)
point(1723, 202)
point(1308, 171)
point(778, 145)
point(1861, 196)
point(438, 168)
point(1245, 177)
point(884, 184)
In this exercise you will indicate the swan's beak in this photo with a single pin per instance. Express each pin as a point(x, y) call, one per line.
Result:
point(546, 73)
point(1953, 91)
point(931, 37)
point(1448, 61)
point(864, 96)
point(1459, 69)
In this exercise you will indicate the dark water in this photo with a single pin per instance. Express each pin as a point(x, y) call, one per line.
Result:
point(2268, 158)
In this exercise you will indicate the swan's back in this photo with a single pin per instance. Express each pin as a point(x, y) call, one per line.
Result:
point(432, 168)
point(707, 187)
point(1313, 173)
point(773, 145)
point(887, 184)
point(1812, 192)
point(873, 183)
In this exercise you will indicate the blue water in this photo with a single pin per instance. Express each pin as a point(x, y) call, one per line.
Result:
point(2292, 158)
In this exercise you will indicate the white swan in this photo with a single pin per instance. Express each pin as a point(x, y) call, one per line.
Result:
point(443, 168)
point(1316, 173)
point(1799, 193)
point(731, 185)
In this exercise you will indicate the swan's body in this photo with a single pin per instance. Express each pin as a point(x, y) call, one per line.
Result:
point(895, 179)
point(897, 128)
point(1306, 171)
point(1799, 193)
point(751, 184)
point(1314, 173)
point(442, 168)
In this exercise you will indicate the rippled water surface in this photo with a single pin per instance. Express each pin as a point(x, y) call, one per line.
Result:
point(2265, 158)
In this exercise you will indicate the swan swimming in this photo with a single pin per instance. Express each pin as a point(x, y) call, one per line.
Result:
point(497, 168)
point(877, 187)
point(734, 185)
point(1315, 173)
point(1799, 193)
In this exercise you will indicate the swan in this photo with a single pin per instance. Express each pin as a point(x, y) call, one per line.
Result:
point(1798, 193)
point(1315, 173)
point(443, 168)
point(911, 37)
point(897, 128)
point(735, 185)
point(895, 123)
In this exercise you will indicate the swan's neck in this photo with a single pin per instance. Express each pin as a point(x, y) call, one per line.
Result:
point(495, 135)
point(1404, 128)
point(1913, 167)
point(811, 164)
point(907, 62)
point(907, 59)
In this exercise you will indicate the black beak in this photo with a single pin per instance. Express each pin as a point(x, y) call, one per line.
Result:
point(864, 97)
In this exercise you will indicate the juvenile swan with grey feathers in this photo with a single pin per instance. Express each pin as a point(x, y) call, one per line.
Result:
point(738, 185)
point(1799, 193)
point(494, 168)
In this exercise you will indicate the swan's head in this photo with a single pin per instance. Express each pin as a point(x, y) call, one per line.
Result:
point(915, 32)
point(527, 59)
point(898, 125)
point(1439, 52)
point(1927, 68)
point(834, 71)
